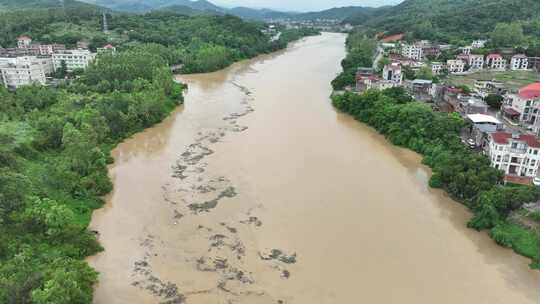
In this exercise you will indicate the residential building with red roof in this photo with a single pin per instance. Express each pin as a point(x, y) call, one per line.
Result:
point(515, 154)
point(109, 48)
point(24, 42)
point(496, 62)
point(524, 107)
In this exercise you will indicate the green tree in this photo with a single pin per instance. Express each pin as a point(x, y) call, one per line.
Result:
point(494, 101)
point(507, 35)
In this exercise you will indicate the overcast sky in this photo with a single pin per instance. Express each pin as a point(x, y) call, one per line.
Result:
point(302, 5)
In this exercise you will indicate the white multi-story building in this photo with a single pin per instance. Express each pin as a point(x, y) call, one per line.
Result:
point(74, 59)
point(412, 51)
point(466, 50)
point(437, 68)
point(24, 42)
point(524, 107)
point(45, 62)
point(476, 62)
point(496, 62)
point(455, 66)
point(478, 44)
point(17, 75)
point(516, 155)
point(519, 62)
point(49, 49)
point(392, 72)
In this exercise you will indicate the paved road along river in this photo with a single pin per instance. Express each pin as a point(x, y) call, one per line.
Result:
point(258, 191)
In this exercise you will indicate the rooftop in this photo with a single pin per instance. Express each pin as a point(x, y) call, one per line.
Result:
point(530, 91)
point(422, 81)
point(482, 118)
point(494, 56)
point(502, 138)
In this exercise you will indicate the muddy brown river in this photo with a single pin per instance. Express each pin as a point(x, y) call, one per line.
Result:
point(258, 191)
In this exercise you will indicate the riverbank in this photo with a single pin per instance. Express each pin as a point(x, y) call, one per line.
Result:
point(286, 203)
point(465, 175)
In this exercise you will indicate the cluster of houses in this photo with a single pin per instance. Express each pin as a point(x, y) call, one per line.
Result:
point(31, 63)
point(466, 61)
point(509, 137)
point(393, 76)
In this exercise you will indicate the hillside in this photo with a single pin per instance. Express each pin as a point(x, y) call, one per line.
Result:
point(140, 6)
point(186, 10)
point(446, 20)
point(44, 4)
point(339, 13)
point(257, 14)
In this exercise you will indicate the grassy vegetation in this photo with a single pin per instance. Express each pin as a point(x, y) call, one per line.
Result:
point(513, 80)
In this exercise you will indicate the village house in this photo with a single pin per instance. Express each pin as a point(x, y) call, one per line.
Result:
point(534, 63)
point(453, 97)
point(486, 87)
point(412, 51)
point(519, 62)
point(478, 44)
point(392, 72)
point(515, 155)
point(481, 126)
point(44, 61)
point(455, 66)
point(366, 79)
point(476, 62)
point(437, 68)
point(17, 74)
point(496, 62)
point(421, 89)
point(463, 57)
point(106, 49)
point(524, 107)
point(433, 51)
point(74, 59)
point(473, 106)
point(466, 50)
point(24, 42)
point(49, 49)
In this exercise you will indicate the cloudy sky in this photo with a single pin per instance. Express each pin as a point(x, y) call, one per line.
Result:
point(302, 5)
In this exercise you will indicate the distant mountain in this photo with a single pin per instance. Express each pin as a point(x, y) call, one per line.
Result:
point(141, 6)
point(444, 19)
point(44, 4)
point(339, 13)
point(259, 14)
point(188, 11)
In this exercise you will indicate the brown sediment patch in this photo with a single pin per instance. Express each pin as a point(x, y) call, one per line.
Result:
point(208, 205)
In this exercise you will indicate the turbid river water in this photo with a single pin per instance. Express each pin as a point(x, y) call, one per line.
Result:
point(258, 191)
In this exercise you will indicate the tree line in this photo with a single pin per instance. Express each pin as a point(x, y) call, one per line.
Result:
point(55, 145)
point(467, 176)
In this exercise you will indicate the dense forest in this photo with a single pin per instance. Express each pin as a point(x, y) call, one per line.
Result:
point(55, 145)
point(467, 176)
point(55, 142)
point(449, 21)
point(200, 43)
